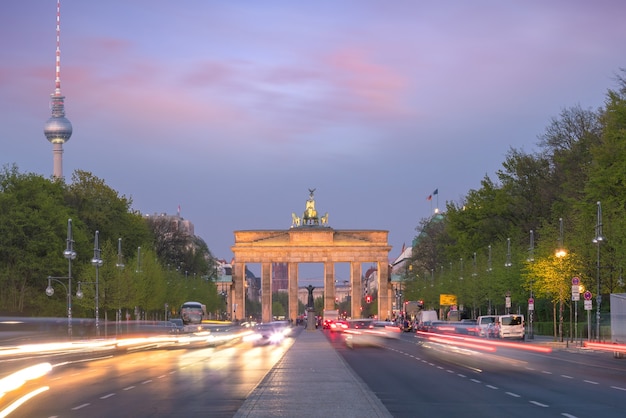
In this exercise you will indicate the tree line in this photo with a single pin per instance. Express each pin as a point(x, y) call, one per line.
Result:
point(502, 239)
point(151, 265)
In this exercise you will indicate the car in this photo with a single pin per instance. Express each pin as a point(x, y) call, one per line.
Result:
point(360, 323)
point(483, 322)
point(338, 325)
point(362, 332)
point(269, 333)
point(386, 329)
point(176, 325)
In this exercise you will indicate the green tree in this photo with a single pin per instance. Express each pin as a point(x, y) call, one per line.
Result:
point(33, 226)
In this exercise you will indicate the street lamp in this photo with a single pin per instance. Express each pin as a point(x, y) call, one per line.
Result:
point(560, 253)
point(120, 266)
point(489, 290)
point(598, 239)
point(50, 292)
point(97, 262)
point(531, 301)
point(70, 255)
point(508, 264)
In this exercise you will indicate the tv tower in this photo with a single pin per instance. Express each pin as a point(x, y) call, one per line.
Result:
point(58, 128)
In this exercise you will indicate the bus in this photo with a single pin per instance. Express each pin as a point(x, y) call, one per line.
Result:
point(192, 312)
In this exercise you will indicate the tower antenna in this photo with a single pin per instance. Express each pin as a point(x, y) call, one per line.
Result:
point(58, 128)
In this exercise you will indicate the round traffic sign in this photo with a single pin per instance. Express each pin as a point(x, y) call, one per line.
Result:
point(587, 295)
point(575, 281)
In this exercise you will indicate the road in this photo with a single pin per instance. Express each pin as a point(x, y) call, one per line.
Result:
point(210, 381)
point(413, 377)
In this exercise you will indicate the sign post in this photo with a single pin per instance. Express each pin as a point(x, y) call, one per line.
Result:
point(531, 308)
point(588, 307)
point(575, 298)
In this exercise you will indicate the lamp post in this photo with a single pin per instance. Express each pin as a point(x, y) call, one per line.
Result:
point(489, 287)
point(531, 301)
point(120, 266)
point(50, 292)
point(508, 264)
point(69, 254)
point(598, 240)
point(560, 253)
point(96, 261)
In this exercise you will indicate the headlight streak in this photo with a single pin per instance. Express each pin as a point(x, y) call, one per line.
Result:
point(443, 340)
point(19, 402)
point(19, 378)
point(479, 342)
point(98, 348)
point(618, 348)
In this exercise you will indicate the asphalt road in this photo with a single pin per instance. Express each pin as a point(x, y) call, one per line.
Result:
point(211, 381)
point(415, 378)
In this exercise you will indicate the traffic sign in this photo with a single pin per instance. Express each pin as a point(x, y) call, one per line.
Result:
point(587, 295)
point(531, 304)
point(575, 281)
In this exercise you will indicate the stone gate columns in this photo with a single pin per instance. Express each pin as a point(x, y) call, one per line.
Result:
point(266, 292)
point(384, 290)
point(293, 291)
point(355, 289)
point(238, 292)
point(329, 285)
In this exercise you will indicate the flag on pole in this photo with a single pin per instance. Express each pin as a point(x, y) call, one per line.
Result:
point(430, 197)
point(436, 191)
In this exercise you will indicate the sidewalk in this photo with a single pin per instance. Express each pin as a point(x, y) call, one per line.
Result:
point(312, 380)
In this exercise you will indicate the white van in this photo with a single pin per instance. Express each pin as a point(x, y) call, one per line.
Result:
point(483, 322)
point(424, 319)
point(511, 326)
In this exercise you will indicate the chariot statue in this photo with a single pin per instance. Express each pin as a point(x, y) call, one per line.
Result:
point(310, 214)
point(309, 217)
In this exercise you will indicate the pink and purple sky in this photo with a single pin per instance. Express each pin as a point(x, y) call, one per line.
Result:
point(234, 109)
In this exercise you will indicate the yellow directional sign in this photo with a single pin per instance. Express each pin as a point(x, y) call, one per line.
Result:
point(447, 300)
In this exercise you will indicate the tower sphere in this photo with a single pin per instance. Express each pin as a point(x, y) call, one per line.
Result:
point(58, 129)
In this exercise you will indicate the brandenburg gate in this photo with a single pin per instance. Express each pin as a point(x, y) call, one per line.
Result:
point(310, 240)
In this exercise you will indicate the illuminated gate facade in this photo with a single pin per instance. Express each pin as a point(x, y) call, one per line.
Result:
point(310, 240)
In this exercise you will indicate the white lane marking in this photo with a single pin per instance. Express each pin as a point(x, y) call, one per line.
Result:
point(161, 377)
point(129, 388)
point(491, 387)
point(566, 376)
point(591, 382)
point(618, 388)
point(546, 372)
point(475, 380)
point(543, 405)
point(461, 375)
point(146, 381)
point(76, 408)
point(515, 395)
point(107, 396)
point(565, 414)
